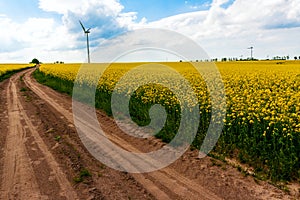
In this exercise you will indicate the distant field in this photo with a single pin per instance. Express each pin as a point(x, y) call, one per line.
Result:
point(262, 125)
point(7, 69)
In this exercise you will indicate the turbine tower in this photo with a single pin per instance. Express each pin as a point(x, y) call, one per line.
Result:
point(251, 50)
point(87, 40)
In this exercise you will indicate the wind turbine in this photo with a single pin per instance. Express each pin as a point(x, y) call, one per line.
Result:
point(251, 49)
point(87, 40)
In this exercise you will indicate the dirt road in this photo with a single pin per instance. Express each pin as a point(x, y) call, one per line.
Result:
point(42, 157)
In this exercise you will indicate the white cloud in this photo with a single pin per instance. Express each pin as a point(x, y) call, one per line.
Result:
point(272, 27)
point(104, 13)
point(276, 12)
point(228, 31)
point(107, 7)
point(50, 39)
point(36, 37)
point(7, 36)
point(105, 18)
point(218, 3)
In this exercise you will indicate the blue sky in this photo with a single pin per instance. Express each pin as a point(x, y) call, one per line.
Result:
point(49, 29)
point(157, 9)
point(152, 10)
point(20, 11)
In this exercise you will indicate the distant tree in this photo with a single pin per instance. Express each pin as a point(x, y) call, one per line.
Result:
point(35, 61)
point(295, 57)
point(224, 59)
point(287, 57)
point(299, 57)
point(280, 58)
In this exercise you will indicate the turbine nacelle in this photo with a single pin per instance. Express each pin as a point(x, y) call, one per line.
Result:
point(83, 28)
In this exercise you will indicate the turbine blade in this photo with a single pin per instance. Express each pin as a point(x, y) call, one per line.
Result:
point(82, 26)
point(88, 30)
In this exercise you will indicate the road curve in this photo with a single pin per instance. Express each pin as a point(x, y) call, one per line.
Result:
point(33, 165)
point(161, 184)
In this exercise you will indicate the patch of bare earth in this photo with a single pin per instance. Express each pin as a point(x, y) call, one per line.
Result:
point(42, 157)
point(55, 158)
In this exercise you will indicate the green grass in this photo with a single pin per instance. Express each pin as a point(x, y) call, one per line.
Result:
point(23, 89)
point(54, 82)
point(57, 138)
point(84, 173)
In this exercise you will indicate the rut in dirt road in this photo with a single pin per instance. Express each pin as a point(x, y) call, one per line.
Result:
point(163, 184)
point(19, 179)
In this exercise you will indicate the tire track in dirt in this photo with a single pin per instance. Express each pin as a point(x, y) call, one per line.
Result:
point(165, 178)
point(148, 184)
point(18, 179)
point(163, 184)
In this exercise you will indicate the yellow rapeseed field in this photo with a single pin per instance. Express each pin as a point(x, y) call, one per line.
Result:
point(263, 105)
point(254, 90)
point(4, 68)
